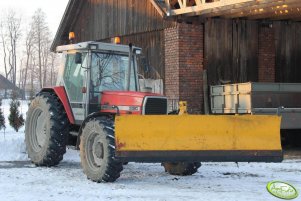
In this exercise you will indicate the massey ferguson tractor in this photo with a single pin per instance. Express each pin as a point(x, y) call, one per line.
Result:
point(98, 106)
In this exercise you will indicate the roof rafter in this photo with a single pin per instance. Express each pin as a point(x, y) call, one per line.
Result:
point(252, 9)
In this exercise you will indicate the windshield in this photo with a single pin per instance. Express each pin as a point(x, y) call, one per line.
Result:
point(109, 72)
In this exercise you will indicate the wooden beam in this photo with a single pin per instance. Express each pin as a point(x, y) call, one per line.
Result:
point(242, 9)
point(261, 9)
point(215, 11)
point(251, 9)
point(237, 8)
point(158, 8)
point(199, 2)
point(280, 14)
point(182, 3)
point(205, 6)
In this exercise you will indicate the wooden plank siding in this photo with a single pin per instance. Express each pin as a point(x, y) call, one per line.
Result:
point(288, 51)
point(102, 19)
point(231, 51)
point(152, 44)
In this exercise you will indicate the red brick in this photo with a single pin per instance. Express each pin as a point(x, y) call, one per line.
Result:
point(266, 57)
point(184, 47)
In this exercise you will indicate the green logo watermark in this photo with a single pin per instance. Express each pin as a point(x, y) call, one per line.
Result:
point(282, 190)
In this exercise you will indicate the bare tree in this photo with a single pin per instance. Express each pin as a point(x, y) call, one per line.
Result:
point(40, 32)
point(33, 75)
point(45, 60)
point(3, 40)
point(37, 64)
point(29, 53)
point(10, 33)
point(13, 23)
point(45, 56)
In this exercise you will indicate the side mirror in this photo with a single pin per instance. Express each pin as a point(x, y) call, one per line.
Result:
point(78, 58)
point(138, 51)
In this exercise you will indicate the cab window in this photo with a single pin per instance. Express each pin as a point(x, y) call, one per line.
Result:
point(74, 78)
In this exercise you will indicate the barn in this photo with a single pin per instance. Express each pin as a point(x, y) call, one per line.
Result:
point(191, 44)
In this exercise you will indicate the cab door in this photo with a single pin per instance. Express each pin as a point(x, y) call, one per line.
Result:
point(74, 79)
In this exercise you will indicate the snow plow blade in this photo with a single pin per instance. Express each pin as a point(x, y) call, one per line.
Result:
point(197, 138)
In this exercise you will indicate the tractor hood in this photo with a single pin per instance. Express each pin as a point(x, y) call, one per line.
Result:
point(128, 102)
point(129, 93)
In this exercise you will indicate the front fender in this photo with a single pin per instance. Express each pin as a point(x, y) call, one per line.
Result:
point(91, 116)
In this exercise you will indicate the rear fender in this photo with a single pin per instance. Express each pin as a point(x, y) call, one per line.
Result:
point(60, 92)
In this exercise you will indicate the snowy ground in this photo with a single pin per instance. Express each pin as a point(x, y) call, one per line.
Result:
point(20, 180)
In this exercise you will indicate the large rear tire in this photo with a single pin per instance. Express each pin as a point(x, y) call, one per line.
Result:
point(46, 130)
point(97, 150)
point(181, 169)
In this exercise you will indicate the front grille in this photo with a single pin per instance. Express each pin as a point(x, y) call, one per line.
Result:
point(155, 105)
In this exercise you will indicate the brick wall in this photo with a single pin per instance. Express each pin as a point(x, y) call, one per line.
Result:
point(266, 57)
point(184, 47)
point(171, 37)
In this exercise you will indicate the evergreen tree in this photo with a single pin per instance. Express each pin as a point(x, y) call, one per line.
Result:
point(2, 119)
point(15, 119)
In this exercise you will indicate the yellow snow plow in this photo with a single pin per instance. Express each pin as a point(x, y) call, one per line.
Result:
point(198, 138)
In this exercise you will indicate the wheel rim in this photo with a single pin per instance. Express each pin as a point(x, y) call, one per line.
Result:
point(95, 151)
point(38, 129)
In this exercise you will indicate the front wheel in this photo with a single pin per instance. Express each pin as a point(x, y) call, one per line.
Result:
point(182, 169)
point(97, 150)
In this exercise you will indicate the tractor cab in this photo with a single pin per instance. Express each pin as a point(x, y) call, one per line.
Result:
point(94, 70)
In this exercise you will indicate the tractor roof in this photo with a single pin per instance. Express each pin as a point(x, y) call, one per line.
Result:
point(92, 45)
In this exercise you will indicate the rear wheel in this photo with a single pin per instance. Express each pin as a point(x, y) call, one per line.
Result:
point(182, 169)
point(46, 130)
point(97, 150)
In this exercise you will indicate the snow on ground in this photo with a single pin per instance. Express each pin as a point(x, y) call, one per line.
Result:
point(20, 180)
point(12, 145)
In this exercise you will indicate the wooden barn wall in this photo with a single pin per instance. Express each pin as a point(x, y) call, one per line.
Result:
point(231, 51)
point(152, 44)
point(288, 51)
point(101, 19)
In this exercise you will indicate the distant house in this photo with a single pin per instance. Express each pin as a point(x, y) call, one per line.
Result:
point(6, 85)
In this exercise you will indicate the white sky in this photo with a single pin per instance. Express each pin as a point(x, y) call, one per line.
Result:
point(54, 10)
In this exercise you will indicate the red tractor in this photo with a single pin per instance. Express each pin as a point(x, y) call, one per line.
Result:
point(98, 106)
point(95, 82)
